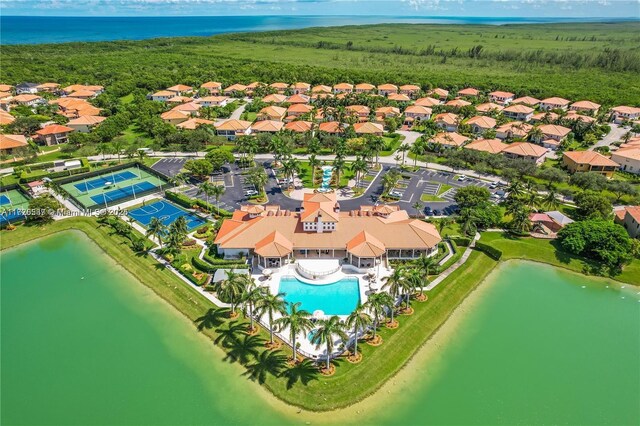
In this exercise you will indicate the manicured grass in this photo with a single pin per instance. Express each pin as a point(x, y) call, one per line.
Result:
point(392, 145)
point(132, 133)
point(55, 155)
point(127, 99)
point(443, 188)
point(547, 251)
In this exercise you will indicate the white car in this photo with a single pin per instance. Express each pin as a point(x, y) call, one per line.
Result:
point(250, 193)
point(462, 178)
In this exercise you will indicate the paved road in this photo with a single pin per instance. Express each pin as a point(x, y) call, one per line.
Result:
point(169, 166)
point(614, 135)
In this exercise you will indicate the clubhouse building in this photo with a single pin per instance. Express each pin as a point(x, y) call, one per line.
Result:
point(372, 235)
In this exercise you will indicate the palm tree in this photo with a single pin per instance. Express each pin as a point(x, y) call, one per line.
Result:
point(404, 148)
point(376, 144)
point(417, 279)
point(358, 320)
point(251, 295)
point(443, 223)
point(313, 163)
point(338, 167)
point(325, 333)
point(298, 321)
point(290, 168)
point(180, 227)
point(206, 189)
point(423, 263)
point(258, 177)
point(536, 134)
point(156, 229)
point(217, 191)
point(551, 199)
point(359, 166)
point(118, 145)
point(416, 149)
point(419, 207)
point(232, 289)
point(375, 305)
point(395, 286)
point(516, 188)
point(271, 304)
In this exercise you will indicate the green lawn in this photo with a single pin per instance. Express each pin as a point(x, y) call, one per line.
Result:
point(392, 145)
point(305, 175)
point(547, 251)
point(132, 133)
point(443, 188)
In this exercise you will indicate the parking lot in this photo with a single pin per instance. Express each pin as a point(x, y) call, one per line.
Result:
point(169, 166)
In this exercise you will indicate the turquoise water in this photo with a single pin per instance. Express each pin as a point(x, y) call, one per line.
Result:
point(339, 298)
point(327, 172)
point(61, 29)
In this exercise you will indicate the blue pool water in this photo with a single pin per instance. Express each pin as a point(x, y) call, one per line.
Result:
point(339, 298)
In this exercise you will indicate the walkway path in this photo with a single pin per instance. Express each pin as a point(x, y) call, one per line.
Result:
point(453, 267)
point(449, 255)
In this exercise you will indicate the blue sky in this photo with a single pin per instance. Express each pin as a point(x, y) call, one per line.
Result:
point(487, 8)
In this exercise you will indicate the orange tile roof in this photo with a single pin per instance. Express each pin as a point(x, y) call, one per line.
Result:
point(279, 85)
point(418, 109)
point(236, 125)
point(525, 149)
point(518, 128)
point(440, 92)
point(25, 98)
point(53, 129)
point(193, 123)
point(211, 85)
point(82, 94)
point(214, 99)
point(428, 102)
point(358, 109)
point(188, 107)
point(236, 88)
point(299, 126)
point(492, 146)
point(556, 101)
point(590, 157)
point(274, 245)
point(469, 91)
point(458, 103)
point(410, 87)
point(365, 86)
point(88, 120)
point(528, 100)
point(450, 138)
point(272, 111)
point(365, 245)
point(489, 106)
point(298, 99)
point(368, 128)
point(330, 127)
point(630, 152)
point(321, 89)
point(179, 99)
point(634, 212)
point(482, 121)
point(518, 109)
point(180, 88)
point(388, 87)
point(300, 108)
point(447, 118)
point(343, 86)
point(626, 110)
point(164, 93)
point(267, 126)
point(301, 85)
point(6, 118)
point(501, 94)
point(12, 141)
point(5, 87)
point(399, 97)
point(5, 95)
point(588, 105)
point(48, 86)
point(274, 98)
point(554, 130)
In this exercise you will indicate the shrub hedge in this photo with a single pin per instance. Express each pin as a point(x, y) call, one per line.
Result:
point(188, 202)
point(491, 251)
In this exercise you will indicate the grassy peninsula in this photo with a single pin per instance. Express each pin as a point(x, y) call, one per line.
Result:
point(596, 61)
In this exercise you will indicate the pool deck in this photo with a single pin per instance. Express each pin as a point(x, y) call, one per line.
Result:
point(347, 271)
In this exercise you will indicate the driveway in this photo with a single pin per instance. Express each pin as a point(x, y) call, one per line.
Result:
point(614, 135)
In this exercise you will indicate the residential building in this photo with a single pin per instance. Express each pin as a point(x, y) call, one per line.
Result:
point(417, 112)
point(331, 127)
point(321, 88)
point(399, 97)
point(373, 234)
point(296, 110)
point(589, 161)
point(457, 103)
point(194, 123)
point(280, 87)
point(85, 123)
point(212, 87)
point(629, 218)
point(234, 89)
point(518, 112)
point(525, 151)
point(180, 89)
point(526, 100)
point(554, 103)
point(491, 146)
point(212, 101)
point(26, 88)
point(175, 117)
point(300, 88)
point(10, 143)
point(48, 87)
point(27, 100)
point(266, 126)
point(299, 126)
point(480, 123)
point(343, 88)
point(625, 113)
point(274, 99)
point(410, 90)
point(552, 135)
point(439, 93)
point(628, 157)
point(387, 89)
point(83, 94)
point(447, 121)
point(53, 134)
point(361, 112)
point(365, 88)
point(386, 112)
point(469, 92)
point(427, 102)
point(298, 99)
point(500, 97)
point(162, 96)
point(272, 112)
point(450, 139)
point(368, 128)
point(585, 106)
point(231, 129)
point(6, 118)
point(488, 107)
point(513, 130)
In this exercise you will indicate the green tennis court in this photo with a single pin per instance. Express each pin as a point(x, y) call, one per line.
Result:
point(113, 187)
point(12, 204)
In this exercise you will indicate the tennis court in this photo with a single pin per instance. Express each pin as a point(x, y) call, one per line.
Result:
point(113, 187)
point(12, 205)
point(167, 213)
point(105, 180)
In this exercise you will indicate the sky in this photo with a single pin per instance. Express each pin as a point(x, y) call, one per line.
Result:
point(450, 8)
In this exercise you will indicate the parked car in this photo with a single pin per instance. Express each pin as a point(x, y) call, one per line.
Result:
point(436, 212)
point(250, 193)
point(462, 178)
point(493, 185)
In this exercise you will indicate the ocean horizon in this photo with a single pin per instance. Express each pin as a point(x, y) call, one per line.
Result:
point(64, 29)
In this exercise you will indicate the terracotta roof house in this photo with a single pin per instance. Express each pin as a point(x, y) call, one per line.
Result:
point(299, 126)
point(6, 118)
point(298, 99)
point(363, 237)
point(457, 103)
point(399, 97)
point(175, 117)
point(213, 87)
point(625, 113)
point(191, 108)
point(417, 112)
point(575, 116)
point(526, 100)
point(343, 88)
point(300, 87)
point(439, 93)
point(447, 121)
point(9, 143)
point(428, 102)
point(331, 127)
point(251, 87)
point(518, 112)
point(193, 123)
point(73, 108)
point(553, 131)
point(267, 126)
point(297, 110)
point(492, 146)
point(500, 97)
point(387, 111)
point(589, 161)
point(481, 123)
point(234, 88)
point(469, 91)
point(180, 89)
point(525, 151)
point(27, 100)
point(387, 89)
point(274, 99)
point(488, 107)
point(54, 134)
point(368, 128)
point(280, 87)
point(6, 87)
point(542, 116)
point(513, 130)
point(272, 112)
point(585, 106)
point(48, 87)
point(450, 139)
point(76, 87)
point(212, 101)
point(629, 218)
point(85, 123)
point(162, 96)
point(83, 94)
point(628, 157)
point(26, 88)
point(410, 90)
point(554, 103)
point(360, 111)
point(178, 99)
point(365, 88)
point(321, 88)
point(233, 128)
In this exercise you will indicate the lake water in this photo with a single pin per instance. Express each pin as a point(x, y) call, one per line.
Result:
point(535, 346)
point(60, 29)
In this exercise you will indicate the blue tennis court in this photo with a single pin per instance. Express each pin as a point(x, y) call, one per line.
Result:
point(4, 200)
point(124, 192)
point(167, 213)
point(103, 180)
point(9, 216)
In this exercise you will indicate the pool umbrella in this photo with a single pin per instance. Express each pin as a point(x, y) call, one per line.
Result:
point(267, 272)
point(318, 314)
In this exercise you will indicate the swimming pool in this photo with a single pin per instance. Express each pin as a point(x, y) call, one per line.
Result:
point(339, 298)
